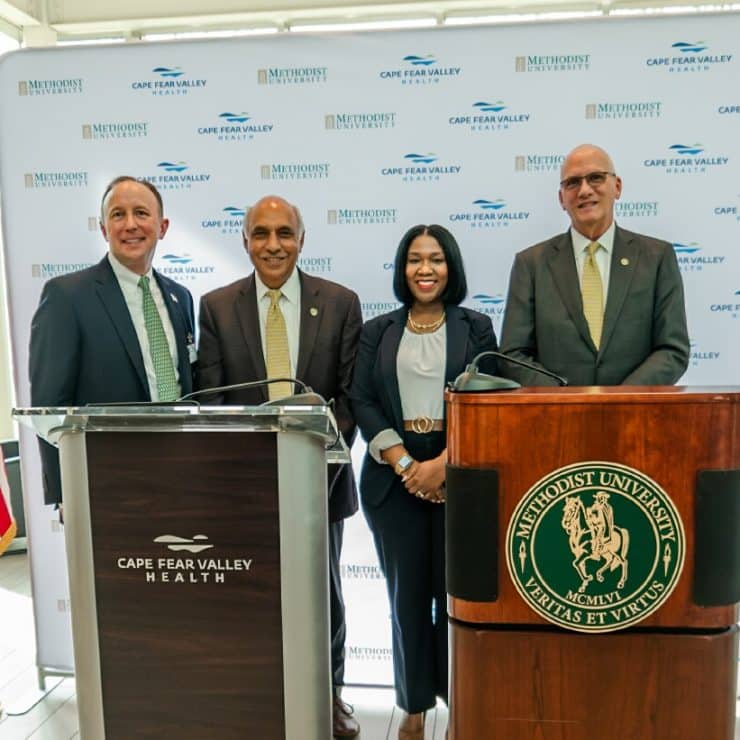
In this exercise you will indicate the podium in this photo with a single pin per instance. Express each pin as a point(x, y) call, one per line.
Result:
point(197, 554)
point(593, 563)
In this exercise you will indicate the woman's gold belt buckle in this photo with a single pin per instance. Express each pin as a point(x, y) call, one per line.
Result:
point(422, 425)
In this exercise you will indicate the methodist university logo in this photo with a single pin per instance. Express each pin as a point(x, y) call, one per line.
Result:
point(595, 547)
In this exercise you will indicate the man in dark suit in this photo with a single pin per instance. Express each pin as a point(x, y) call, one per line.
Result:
point(321, 322)
point(599, 305)
point(96, 338)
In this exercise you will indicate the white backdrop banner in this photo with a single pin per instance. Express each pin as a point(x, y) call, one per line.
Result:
point(370, 134)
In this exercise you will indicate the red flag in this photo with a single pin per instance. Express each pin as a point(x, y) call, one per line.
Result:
point(7, 523)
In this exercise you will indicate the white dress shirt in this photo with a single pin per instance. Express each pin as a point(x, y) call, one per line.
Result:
point(290, 305)
point(603, 255)
point(129, 284)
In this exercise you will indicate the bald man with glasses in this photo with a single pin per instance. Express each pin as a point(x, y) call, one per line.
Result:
point(598, 305)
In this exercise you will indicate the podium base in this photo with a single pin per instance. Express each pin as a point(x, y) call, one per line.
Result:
point(540, 684)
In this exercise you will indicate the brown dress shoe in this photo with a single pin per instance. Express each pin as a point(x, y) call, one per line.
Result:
point(411, 727)
point(343, 723)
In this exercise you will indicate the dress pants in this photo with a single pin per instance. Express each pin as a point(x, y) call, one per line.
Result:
point(338, 626)
point(409, 538)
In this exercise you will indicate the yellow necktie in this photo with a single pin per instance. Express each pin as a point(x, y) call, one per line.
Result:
point(592, 292)
point(276, 341)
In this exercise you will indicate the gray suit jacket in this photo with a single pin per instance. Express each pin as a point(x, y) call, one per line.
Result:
point(230, 351)
point(644, 340)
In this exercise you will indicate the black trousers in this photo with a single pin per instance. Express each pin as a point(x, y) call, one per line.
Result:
point(336, 604)
point(409, 538)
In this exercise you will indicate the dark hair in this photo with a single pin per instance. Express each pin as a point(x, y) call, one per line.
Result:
point(128, 178)
point(457, 287)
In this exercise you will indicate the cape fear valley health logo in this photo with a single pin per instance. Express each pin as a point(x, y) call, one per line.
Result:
point(48, 270)
point(63, 179)
point(176, 175)
point(728, 211)
point(730, 308)
point(236, 127)
point(552, 63)
point(489, 116)
point(420, 70)
point(361, 216)
point(688, 56)
point(292, 75)
point(595, 546)
point(491, 305)
point(420, 167)
point(229, 221)
point(176, 544)
point(295, 171)
point(359, 121)
point(538, 162)
point(691, 258)
point(62, 86)
point(624, 111)
point(490, 214)
point(636, 208)
point(182, 267)
point(186, 568)
point(120, 130)
point(686, 159)
point(167, 81)
point(699, 356)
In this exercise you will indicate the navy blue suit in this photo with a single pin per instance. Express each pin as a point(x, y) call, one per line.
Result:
point(84, 348)
point(408, 531)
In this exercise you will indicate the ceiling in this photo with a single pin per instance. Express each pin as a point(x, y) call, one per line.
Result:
point(46, 22)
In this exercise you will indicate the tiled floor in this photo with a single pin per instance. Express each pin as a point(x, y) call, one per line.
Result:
point(54, 717)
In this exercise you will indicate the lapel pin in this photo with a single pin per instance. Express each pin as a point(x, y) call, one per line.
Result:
point(174, 297)
point(313, 311)
point(624, 262)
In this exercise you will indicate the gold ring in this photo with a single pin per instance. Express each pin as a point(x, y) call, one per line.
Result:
point(422, 424)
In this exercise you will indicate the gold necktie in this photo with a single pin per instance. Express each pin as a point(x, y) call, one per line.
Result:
point(276, 341)
point(592, 292)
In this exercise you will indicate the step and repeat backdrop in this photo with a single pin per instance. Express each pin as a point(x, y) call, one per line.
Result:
point(370, 134)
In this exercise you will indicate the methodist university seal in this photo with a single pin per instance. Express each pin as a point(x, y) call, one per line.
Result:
point(595, 547)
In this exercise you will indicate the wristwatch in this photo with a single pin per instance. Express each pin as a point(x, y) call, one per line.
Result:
point(403, 464)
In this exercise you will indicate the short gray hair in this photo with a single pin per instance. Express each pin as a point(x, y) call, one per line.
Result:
point(296, 211)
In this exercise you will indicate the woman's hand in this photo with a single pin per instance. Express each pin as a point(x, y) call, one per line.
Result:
point(426, 478)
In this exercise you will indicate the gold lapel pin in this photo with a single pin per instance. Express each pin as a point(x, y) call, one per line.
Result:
point(313, 311)
point(624, 262)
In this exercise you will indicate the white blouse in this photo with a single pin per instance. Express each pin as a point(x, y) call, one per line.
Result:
point(420, 369)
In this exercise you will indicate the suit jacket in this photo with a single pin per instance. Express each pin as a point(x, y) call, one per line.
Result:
point(644, 339)
point(376, 401)
point(84, 348)
point(230, 351)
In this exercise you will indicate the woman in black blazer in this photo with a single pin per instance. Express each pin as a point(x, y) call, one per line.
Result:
point(405, 359)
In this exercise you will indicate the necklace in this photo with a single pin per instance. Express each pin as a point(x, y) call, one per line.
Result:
point(426, 328)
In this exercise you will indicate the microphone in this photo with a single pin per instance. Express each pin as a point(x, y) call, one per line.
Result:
point(472, 381)
point(306, 392)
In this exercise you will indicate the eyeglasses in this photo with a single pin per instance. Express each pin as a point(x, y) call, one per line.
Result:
point(594, 179)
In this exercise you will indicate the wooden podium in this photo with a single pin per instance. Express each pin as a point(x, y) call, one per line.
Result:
point(517, 675)
point(198, 566)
